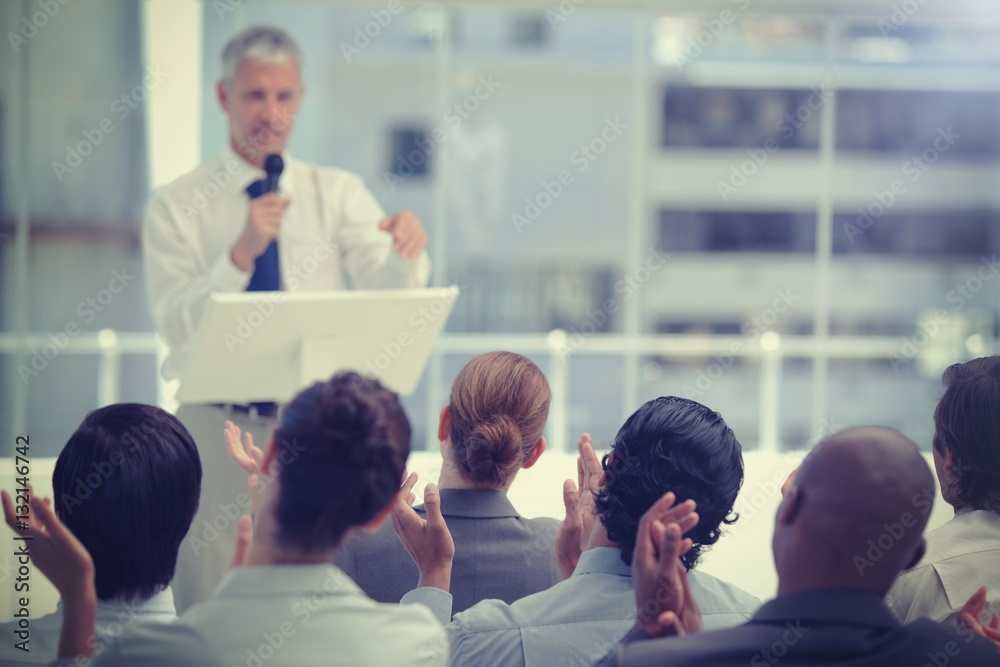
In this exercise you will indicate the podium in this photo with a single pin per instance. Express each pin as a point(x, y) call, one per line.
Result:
point(267, 346)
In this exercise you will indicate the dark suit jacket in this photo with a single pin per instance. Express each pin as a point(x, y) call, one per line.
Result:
point(498, 553)
point(828, 628)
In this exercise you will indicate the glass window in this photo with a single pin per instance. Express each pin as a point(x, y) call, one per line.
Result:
point(741, 118)
point(571, 172)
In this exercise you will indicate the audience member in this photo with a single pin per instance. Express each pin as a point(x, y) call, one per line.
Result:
point(126, 484)
point(490, 430)
point(669, 444)
point(964, 553)
point(844, 531)
point(333, 463)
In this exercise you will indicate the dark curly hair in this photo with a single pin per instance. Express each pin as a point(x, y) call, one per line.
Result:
point(967, 422)
point(342, 448)
point(671, 444)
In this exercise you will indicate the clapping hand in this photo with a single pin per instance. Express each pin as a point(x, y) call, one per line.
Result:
point(63, 559)
point(428, 541)
point(580, 513)
point(249, 457)
point(54, 550)
point(664, 602)
point(971, 617)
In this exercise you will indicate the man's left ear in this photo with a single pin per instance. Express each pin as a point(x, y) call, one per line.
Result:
point(948, 463)
point(535, 453)
point(270, 456)
point(791, 504)
point(222, 95)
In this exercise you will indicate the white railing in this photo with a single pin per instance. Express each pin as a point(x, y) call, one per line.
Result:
point(769, 349)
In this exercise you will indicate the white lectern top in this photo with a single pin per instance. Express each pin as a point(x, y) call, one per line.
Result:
point(266, 346)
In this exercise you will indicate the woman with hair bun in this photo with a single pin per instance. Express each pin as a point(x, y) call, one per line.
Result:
point(489, 431)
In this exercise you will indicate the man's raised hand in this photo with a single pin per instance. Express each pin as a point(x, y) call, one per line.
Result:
point(408, 235)
point(262, 227)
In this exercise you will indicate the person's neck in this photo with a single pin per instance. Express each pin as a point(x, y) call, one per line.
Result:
point(254, 160)
point(266, 549)
point(599, 537)
point(806, 581)
point(451, 477)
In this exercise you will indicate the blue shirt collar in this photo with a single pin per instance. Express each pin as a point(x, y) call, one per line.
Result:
point(602, 560)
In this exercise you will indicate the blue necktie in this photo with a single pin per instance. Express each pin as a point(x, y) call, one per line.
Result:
point(266, 272)
point(265, 278)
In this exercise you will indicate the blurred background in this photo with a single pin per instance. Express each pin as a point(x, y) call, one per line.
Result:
point(785, 209)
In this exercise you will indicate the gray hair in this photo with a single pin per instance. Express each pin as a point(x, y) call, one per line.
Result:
point(262, 43)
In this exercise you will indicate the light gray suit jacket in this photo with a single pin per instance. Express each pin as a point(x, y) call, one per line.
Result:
point(498, 553)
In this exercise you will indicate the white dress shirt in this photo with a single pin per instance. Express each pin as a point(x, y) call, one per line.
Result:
point(329, 229)
point(576, 622)
point(962, 555)
point(300, 615)
point(113, 617)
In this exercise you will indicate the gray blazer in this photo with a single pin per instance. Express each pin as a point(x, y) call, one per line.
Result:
point(498, 553)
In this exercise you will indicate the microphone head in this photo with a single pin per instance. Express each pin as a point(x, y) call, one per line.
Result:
point(273, 164)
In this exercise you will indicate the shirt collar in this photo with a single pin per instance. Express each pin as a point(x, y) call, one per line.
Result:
point(283, 581)
point(161, 604)
point(476, 504)
point(247, 173)
point(602, 560)
point(843, 607)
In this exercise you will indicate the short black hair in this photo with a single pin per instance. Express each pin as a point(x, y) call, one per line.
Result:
point(671, 444)
point(127, 485)
point(967, 422)
point(342, 447)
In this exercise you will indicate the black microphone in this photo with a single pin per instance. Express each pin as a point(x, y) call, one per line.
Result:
point(273, 164)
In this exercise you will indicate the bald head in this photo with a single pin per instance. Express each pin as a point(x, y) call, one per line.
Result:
point(856, 512)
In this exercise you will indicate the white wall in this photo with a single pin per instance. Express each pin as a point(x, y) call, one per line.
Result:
point(742, 556)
